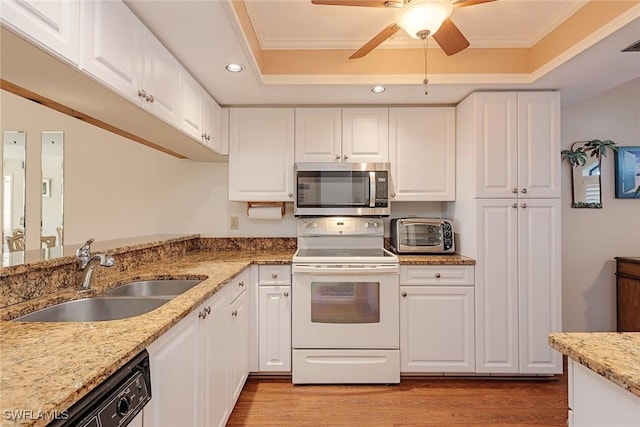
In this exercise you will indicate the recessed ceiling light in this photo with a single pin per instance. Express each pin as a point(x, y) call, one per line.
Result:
point(378, 89)
point(234, 68)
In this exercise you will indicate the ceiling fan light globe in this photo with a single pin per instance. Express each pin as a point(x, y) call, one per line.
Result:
point(423, 15)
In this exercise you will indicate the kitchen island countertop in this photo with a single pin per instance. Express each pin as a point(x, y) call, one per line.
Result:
point(613, 355)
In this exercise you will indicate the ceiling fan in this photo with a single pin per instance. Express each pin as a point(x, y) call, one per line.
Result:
point(419, 18)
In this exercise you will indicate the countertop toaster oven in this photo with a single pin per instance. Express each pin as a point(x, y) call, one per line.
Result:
point(422, 236)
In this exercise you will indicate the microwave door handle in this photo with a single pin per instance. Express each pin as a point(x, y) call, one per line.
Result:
point(372, 189)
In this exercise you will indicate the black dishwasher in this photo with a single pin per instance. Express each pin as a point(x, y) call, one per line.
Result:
point(116, 401)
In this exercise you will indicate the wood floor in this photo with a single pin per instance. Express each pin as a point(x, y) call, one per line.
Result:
point(414, 402)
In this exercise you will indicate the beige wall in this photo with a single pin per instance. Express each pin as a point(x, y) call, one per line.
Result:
point(591, 238)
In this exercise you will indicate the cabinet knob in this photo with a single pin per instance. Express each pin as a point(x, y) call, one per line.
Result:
point(208, 309)
point(404, 294)
point(514, 191)
point(202, 314)
point(524, 205)
point(290, 194)
point(393, 195)
point(274, 275)
point(345, 157)
point(234, 313)
point(514, 206)
point(524, 190)
point(142, 94)
point(337, 156)
point(241, 284)
point(150, 99)
point(286, 294)
point(437, 275)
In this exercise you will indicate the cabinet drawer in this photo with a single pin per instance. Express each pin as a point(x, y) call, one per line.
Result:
point(628, 268)
point(450, 275)
point(238, 285)
point(271, 275)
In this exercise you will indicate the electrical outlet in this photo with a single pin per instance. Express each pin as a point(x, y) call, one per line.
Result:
point(233, 223)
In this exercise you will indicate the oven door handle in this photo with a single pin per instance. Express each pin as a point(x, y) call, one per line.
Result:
point(345, 269)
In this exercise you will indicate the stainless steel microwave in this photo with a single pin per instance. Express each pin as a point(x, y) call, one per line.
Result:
point(348, 189)
point(422, 236)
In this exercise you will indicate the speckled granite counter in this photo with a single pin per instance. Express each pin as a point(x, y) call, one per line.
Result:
point(615, 356)
point(50, 366)
point(436, 260)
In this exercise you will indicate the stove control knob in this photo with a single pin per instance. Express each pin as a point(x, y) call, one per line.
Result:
point(366, 225)
point(376, 225)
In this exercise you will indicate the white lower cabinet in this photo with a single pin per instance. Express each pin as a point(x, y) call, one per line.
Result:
point(274, 318)
point(595, 401)
point(437, 319)
point(199, 366)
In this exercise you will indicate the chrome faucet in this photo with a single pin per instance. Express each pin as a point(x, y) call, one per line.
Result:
point(86, 262)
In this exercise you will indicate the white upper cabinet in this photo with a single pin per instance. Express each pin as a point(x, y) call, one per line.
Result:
point(53, 25)
point(422, 153)
point(517, 137)
point(192, 115)
point(365, 134)
point(318, 135)
point(160, 79)
point(261, 154)
point(212, 135)
point(111, 47)
point(342, 135)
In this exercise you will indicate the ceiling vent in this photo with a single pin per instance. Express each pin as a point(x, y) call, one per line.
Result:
point(635, 47)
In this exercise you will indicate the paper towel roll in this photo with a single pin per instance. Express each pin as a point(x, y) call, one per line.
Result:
point(265, 212)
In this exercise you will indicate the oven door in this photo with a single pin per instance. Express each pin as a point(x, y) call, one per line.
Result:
point(345, 306)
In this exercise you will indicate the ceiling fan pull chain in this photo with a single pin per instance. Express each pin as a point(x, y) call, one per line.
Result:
point(426, 80)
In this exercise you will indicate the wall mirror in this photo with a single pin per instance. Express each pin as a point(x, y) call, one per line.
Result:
point(13, 191)
point(52, 210)
point(586, 188)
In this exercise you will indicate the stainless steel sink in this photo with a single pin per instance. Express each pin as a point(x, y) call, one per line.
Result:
point(94, 309)
point(153, 288)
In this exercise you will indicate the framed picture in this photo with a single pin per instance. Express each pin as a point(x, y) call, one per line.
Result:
point(627, 166)
point(46, 187)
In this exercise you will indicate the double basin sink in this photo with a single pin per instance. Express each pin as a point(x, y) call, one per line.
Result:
point(128, 300)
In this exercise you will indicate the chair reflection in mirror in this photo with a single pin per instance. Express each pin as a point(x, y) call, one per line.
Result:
point(48, 241)
point(60, 232)
point(15, 243)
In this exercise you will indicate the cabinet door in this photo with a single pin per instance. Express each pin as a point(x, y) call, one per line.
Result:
point(261, 139)
point(496, 137)
point(539, 144)
point(318, 135)
point(175, 377)
point(274, 347)
point(238, 348)
point(214, 336)
point(213, 126)
point(422, 153)
point(112, 46)
point(539, 284)
point(161, 80)
point(191, 108)
point(365, 134)
point(436, 329)
point(53, 25)
point(496, 286)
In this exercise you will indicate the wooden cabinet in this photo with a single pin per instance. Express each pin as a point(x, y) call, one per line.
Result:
point(365, 135)
point(518, 286)
point(422, 153)
point(53, 25)
point(516, 139)
point(507, 142)
point(199, 366)
point(261, 139)
point(342, 135)
point(595, 401)
point(437, 319)
point(274, 318)
point(628, 294)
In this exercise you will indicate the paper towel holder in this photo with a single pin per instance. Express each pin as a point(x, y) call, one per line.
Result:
point(266, 204)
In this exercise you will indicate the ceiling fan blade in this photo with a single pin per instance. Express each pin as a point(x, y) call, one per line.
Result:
point(465, 3)
point(375, 41)
point(450, 38)
point(361, 3)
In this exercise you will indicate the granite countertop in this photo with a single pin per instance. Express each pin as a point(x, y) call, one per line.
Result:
point(614, 355)
point(50, 366)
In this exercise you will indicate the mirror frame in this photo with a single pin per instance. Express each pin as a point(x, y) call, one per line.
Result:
point(576, 181)
point(23, 212)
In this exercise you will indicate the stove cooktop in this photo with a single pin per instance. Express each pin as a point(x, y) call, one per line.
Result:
point(369, 255)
